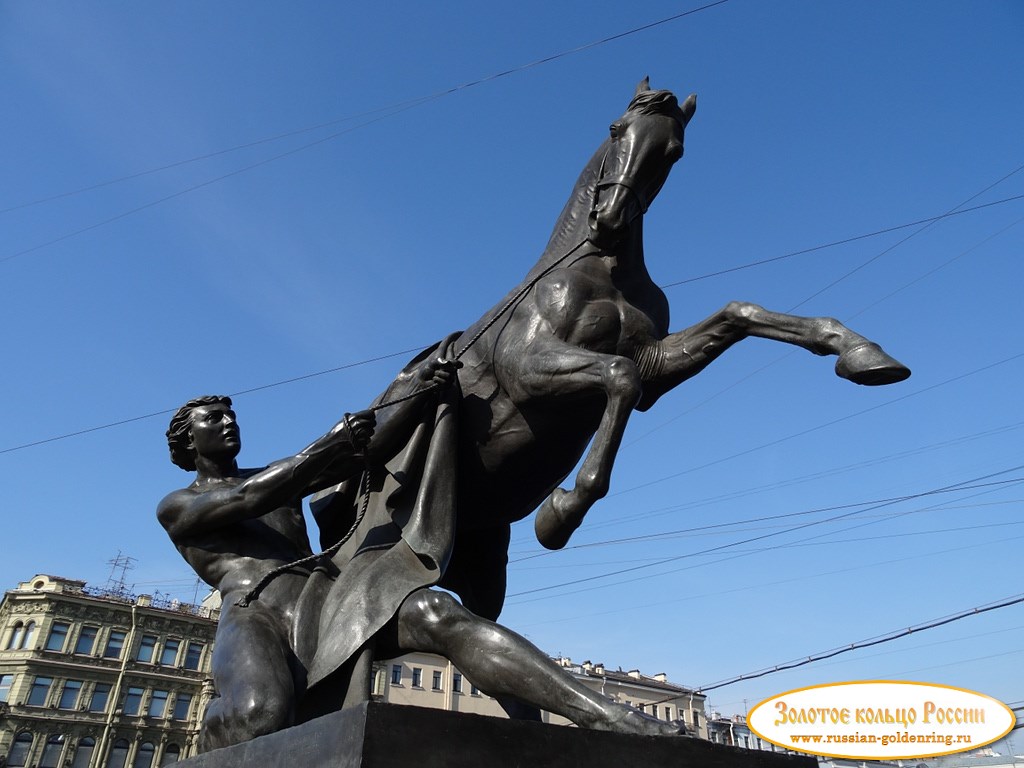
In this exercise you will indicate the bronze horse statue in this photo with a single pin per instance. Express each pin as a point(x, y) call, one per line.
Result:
point(561, 362)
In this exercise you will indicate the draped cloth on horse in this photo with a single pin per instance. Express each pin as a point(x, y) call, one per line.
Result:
point(405, 540)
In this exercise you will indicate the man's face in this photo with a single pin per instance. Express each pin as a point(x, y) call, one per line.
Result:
point(215, 432)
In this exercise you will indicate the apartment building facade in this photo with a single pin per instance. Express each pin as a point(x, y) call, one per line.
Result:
point(100, 679)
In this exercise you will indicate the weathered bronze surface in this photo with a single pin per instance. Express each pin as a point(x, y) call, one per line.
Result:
point(456, 458)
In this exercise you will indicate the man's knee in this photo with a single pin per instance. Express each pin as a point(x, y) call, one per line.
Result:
point(428, 619)
point(246, 715)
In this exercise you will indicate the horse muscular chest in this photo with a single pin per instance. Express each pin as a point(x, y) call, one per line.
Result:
point(592, 313)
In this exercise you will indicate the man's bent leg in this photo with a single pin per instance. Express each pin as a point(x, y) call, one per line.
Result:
point(253, 671)
point(504, 664)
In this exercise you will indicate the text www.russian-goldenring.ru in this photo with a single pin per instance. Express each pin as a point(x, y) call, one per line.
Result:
point(885, 739)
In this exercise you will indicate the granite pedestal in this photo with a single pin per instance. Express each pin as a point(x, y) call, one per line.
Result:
point(377, 735)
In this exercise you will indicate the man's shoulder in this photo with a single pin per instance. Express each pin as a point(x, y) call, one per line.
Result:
point(172, 503)
point(175, 500)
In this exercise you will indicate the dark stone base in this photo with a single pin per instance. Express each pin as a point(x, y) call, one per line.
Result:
point(389, 736)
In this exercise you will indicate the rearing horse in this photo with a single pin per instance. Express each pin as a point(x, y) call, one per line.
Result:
point(562, 361)
point(587, 340)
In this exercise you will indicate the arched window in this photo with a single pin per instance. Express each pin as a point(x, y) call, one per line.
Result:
point(83, 755)
point(172, 754)
point(52, 751)
point(118, 754)
point(16, 634)
point(144, 757)
point(30, 635)
point(22, 745)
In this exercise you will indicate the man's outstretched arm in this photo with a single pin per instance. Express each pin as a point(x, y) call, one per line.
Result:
point(194, 510)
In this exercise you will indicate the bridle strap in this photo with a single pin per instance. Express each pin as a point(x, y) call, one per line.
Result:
point(617, 181)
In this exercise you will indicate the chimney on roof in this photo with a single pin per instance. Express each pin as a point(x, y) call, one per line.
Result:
point(587, 666)
point(634, 673)
point(599, 668)
point(661, 677)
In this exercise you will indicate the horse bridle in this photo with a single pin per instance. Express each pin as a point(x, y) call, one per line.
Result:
point(617, 181)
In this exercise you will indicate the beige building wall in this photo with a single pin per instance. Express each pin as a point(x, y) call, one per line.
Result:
point(426, 680)
point(91, 679)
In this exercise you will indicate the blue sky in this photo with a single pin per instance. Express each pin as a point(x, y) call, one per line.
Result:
point(816, 122)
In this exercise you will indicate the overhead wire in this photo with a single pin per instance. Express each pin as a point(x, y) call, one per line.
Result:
point(749, 586)
point(844, 241)
point(898, 243)
point(868, 643)
point(735, 554)
point(121, 422)
point(717, 528)
point(762, 537)
point(250, 390)
point(375, 116)
point(818, 427)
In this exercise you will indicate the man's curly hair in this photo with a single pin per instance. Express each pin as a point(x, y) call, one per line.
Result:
point(178, 439)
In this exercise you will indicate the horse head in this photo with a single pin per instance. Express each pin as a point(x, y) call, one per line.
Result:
point(644, 145)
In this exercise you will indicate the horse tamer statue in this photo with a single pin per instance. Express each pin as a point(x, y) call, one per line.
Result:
point(557, 366)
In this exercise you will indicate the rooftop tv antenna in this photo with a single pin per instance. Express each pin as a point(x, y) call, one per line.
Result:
point(119, 567)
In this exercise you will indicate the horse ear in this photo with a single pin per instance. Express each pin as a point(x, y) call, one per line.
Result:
point(643, 85)
point(689, 106)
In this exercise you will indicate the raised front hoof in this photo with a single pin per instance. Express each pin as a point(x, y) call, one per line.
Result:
point(554, 524)
point(867, 364)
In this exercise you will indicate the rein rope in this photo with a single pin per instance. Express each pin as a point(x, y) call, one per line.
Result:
point(364, 481)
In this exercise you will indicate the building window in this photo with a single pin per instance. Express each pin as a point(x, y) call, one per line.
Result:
point(193, 655)
point(83, 753)
point(147, 647)
point(18, 755)
point(436, 685)
point(170, 653)
point(182, 702)
point(696, 718)
point(457, 682)
point(396, 674)
point(6, 681)
point(133, 701)
point(14, 641)
point(115, 644)
point(58, 636)
point(641, 707)
point(668, 713)
point(118, 754)
point(473, 690)
point(99, 698)
point(86, 640)
point(69, 694)
point(417, 677)
point(158, 704)
point(172, 753)
point(30, 636)
point(144, 757)
point(51, 752)
point(654, 710)
point(39, 691)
